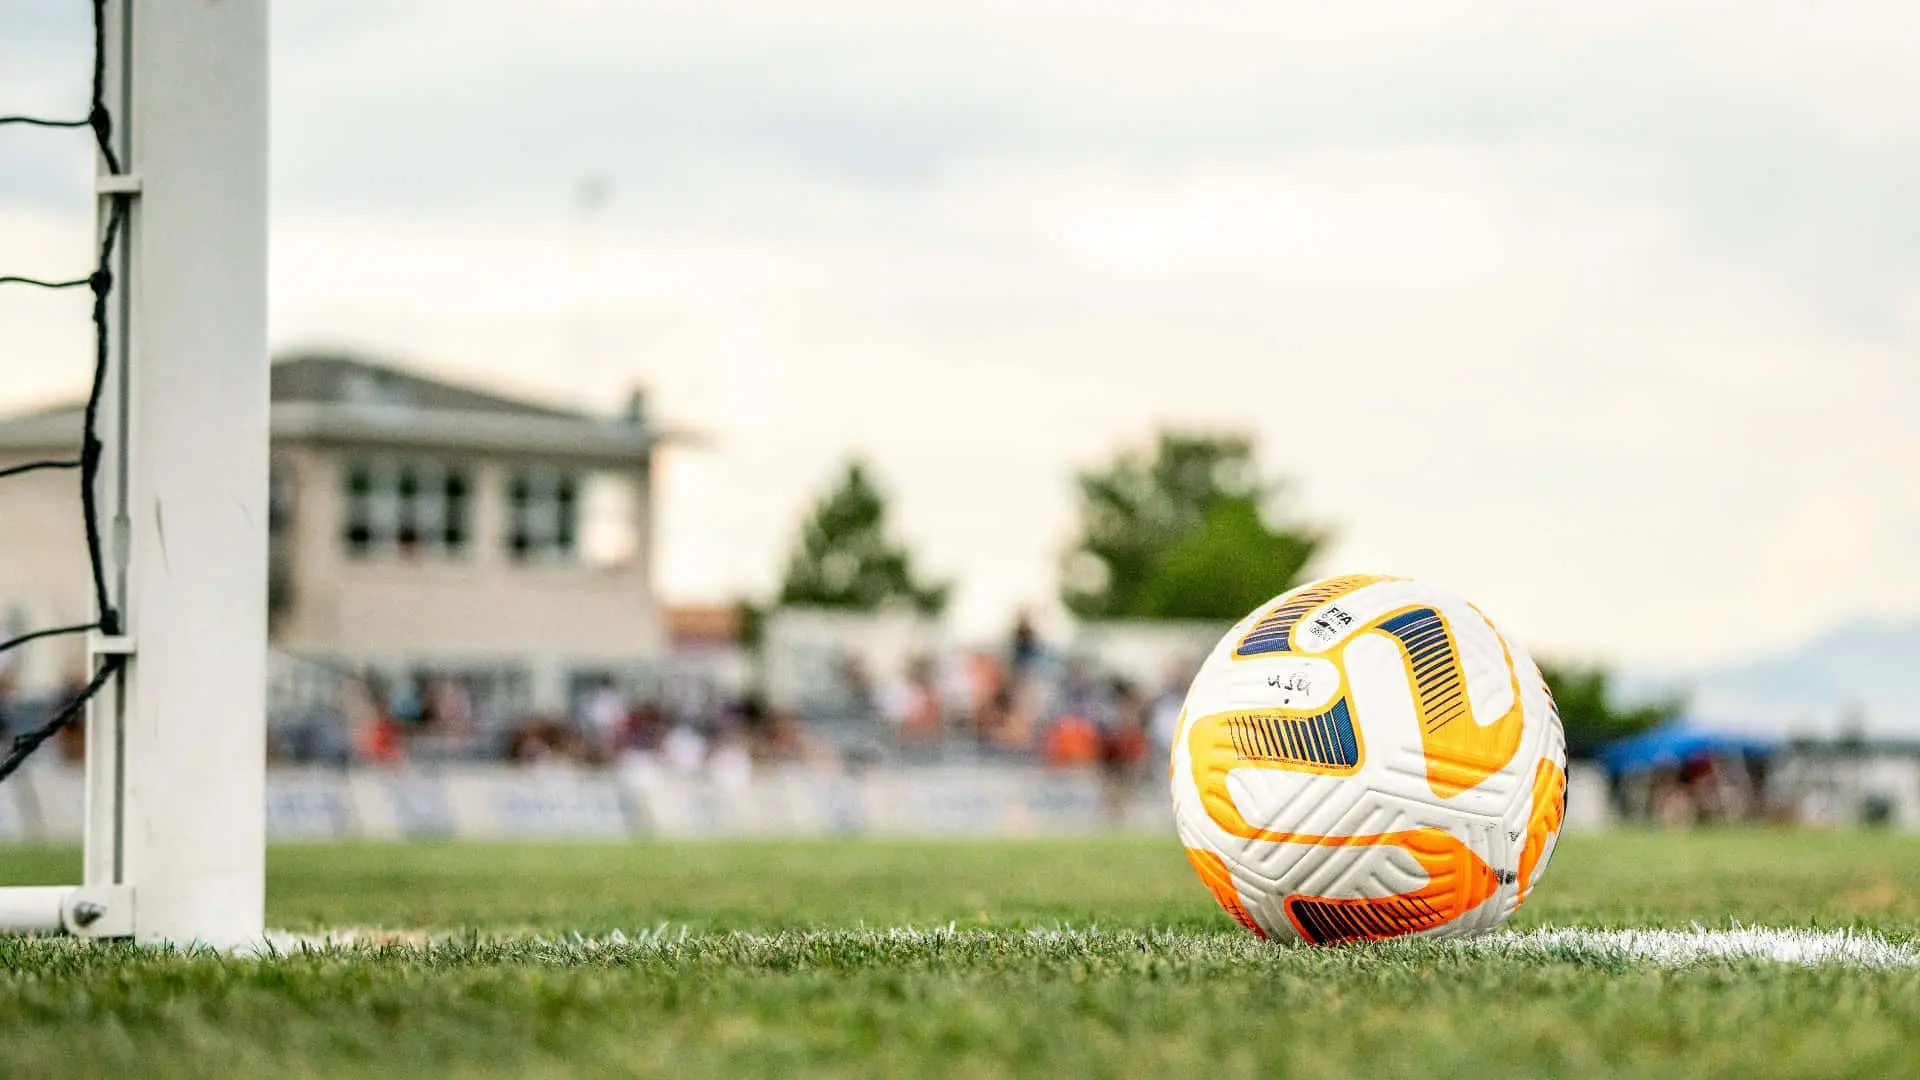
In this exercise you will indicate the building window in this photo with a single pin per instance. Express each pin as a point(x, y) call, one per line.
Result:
point(609, 520)
point(415, 508)
point(543, 516)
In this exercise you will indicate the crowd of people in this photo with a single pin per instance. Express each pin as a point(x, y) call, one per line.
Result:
point(1018, 703)
point(1021, 702)
point(1702, 788)
point(1026, 704)
point(429, 717)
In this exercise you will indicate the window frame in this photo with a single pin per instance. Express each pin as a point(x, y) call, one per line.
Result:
point(543, 516)
point(406, 508)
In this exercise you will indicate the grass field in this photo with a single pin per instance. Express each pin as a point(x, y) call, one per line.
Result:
point(1059, 958)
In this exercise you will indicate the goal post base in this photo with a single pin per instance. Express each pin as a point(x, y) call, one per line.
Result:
point(93, 911)
point(175, 499)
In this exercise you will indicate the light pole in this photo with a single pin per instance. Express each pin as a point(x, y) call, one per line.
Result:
point(591, 194)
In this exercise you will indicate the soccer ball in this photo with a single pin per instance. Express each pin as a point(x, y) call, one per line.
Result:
point(1367, 757)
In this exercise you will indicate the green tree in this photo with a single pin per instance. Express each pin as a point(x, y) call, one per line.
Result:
point(1186, 533)
point(1584, 697)
point(845, 559)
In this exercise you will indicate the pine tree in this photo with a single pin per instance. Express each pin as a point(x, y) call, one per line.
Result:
point(845, 559)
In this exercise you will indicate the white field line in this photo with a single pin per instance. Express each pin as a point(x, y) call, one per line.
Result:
point(1659, 948)
point(1683, 948)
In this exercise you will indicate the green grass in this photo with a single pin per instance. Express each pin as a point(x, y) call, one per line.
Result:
point(769, 959)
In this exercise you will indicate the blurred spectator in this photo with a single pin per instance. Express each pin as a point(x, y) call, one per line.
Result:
point(1669, 802)
point(71, 742)
point(1123, 751)
point(376, 736)
point(985, 680)
point(406, 701)
point(1072, 740)
point(1700, 776)
point(1123, 727)
point(913, 706)
point(379, 740)
point(857, 685)
point(1006, 724)
point(544, 740)
point(784, 741)
point(684, 749)
point(606, 717)
point(7, 694)
point(730, 758)
point(1024, 652)
point(1078, 691)
point(1163, 719)
point(1124, 747)
point(449, 708)
point(644, 729)
point(954, 678)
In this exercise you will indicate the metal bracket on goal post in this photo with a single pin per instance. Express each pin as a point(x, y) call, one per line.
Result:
point(175, 744)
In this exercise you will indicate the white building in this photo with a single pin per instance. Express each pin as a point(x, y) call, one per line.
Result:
point(417, 526)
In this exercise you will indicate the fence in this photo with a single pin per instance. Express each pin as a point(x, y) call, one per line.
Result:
point(499, 803)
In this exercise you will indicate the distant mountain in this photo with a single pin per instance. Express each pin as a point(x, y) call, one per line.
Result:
point(1864, 672)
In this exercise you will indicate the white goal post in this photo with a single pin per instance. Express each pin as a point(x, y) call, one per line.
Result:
point(175, 746)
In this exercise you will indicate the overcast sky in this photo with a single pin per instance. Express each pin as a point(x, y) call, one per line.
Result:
point(1606, 319)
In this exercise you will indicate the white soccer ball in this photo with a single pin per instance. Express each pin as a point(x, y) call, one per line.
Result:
point(1368, 757)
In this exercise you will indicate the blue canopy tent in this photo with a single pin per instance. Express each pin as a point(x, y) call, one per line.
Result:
point(1673, 743)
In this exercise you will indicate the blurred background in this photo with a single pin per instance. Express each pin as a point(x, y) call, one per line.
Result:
point(751, 417)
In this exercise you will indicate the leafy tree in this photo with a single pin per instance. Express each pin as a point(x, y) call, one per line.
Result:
point(844, 558)
point(1183, 534)
point(1584, 698)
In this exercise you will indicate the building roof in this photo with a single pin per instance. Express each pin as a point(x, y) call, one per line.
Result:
point(337, 399)
point(334, 379)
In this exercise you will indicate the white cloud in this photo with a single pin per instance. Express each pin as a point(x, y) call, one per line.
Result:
point(1586, 314)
